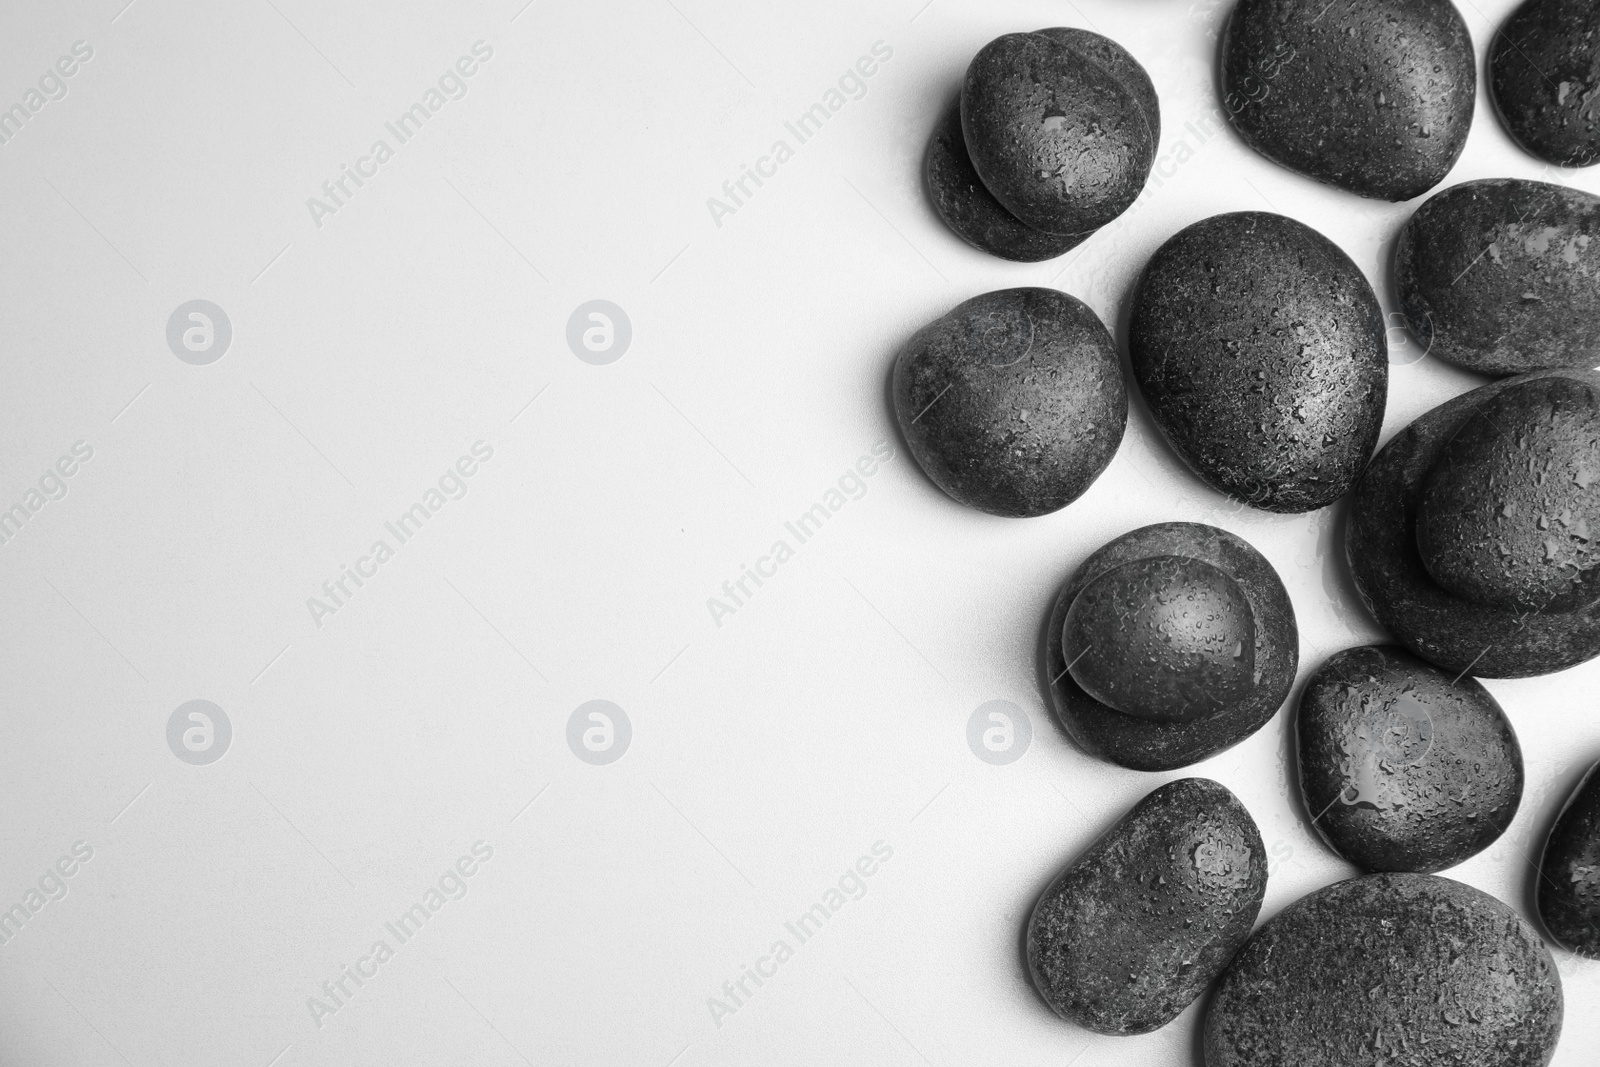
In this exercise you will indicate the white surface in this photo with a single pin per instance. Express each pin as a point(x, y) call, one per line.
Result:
point(827, 714)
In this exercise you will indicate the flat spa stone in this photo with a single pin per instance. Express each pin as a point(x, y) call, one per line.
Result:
point(1166, 638)
point(1013, 403)
point(1144, 744)
point(1393, 969)
point(1402, 767)
point(1487, 495)
point(1544, 69)
point(1373, 96)
point(1502, 276)
point(1060, 141)
point(1135, 930)
point(1260, 349)
point(1569, 874)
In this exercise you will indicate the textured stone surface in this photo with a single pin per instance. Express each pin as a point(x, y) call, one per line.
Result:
point(1544, 69)
point(1260, 349)
point(1168, 638)
point(1502, 276)
point(1145, 745)
point(1402, 767)
point(1569, 874)
point(1130, 934)
point(1392, 969)
point(1393, 577)
point(1058, 140)
point(1013, 403)
point(1373, 96)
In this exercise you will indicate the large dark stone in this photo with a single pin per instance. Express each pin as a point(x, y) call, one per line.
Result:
point(1393, 969)
point(1134, 931)
point(1544, 68)
point(1373, 96)
point(1402, 767)
point(1569, 873)
point(1260, 348)
point(1502, 276)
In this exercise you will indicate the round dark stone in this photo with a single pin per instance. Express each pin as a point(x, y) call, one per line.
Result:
point(1260, 348)
point(1544, 69)
point(1146, 745)
point(1166, 638)
point(1118, 62)
point(1373, 96)
point(1058, 139)
point(1499, 276)
point(1132, 933)
point(1389, 570)
point(1388, 968)
point(1569, 873)
point(1402, 767)
point(1013, 403)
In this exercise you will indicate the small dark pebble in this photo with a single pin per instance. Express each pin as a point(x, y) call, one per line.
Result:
point(1569, 874)
point(1544, 68)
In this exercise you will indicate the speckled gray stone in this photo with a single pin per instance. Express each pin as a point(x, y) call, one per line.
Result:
point(1373, 96)
point(1502, 276)
point(1013, 403)
point(1568, 896)
point(1542, 425)
point(1544, 69)
point(1392, 969)
point(1260, 349)
point(1402, 767)
point(1140, 743)
point(1058, 140)
point(1132, 932)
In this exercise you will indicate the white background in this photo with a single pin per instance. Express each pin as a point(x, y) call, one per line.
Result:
point(369, 353)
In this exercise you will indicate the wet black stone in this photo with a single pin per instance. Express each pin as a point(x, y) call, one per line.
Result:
point(1502, 276)
point(1393, 969)
point(1569, 874)
point(1373, 96)
point(1132, 932)
point(1402, 767)
point(1146, 745)
point(1167, 638)
point(1013, 403)
point(1544, 69)
point(1394, 553)
point(1059, 140)
point(1260, 349)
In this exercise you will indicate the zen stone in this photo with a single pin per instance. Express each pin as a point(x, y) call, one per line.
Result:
point(1471, 535)
point(1373, 96)
point(1402, 767)
point(1135, 930)
point(1393, 969)
point(1239, 702)
point(1502, 276)
point(1061, 141)
point(1569, 874)
point(1544, 69)
point(1013, 403)
point(1260, 349)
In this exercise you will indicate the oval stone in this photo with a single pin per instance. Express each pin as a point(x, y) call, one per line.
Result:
point(1373, 96)
point(1569, 873)
point(1166, 638)
point(1260, 349)
point(1058, 139)
point(1402, 767)
point(1502, 276)
point(1388, 968)
point(1544, 69)
point(1013, 403)
point(1132, 932)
